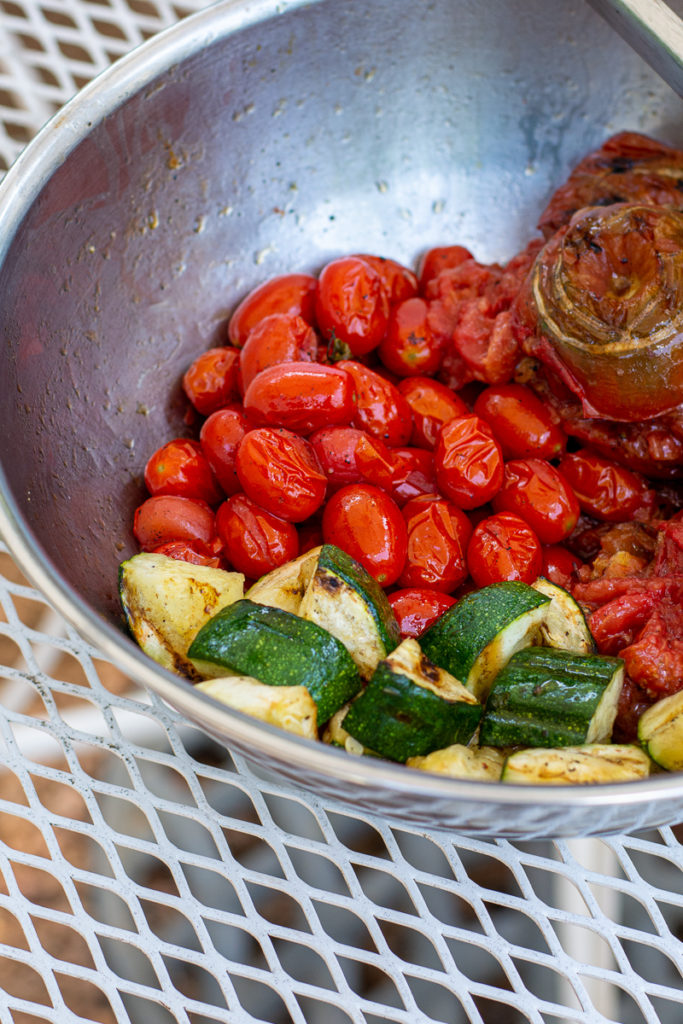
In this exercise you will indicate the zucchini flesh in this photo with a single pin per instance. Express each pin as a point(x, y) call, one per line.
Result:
point(476, 637)
point(564, 624)
point(285, 586)
point(279, 649)
point(660, 730)
point(460, 762)
point(549, 698)
point(598, 762)
point(289, 707)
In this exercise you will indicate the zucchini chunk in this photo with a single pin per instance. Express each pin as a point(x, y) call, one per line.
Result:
point(166, 601)
point(335, 735)
point(476, 637)
point(564, 624)
point(549, 698)
point(599, 762)
point(411, 707)
point(660, 731)
point(289, 707)
point(279, 649)
point(461, 762)
point(285, 586)
point(344, 599)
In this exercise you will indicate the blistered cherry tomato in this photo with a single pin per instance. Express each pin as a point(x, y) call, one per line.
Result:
point(195, 553)
point(352, 305)
point(254, 539)
point(410, 347)
point(541, 495)
point(468, 461)
point(278, 338)
point(167, 517)
point(380, 408)
point(412, 474)
point(289, 293)
point(503, 547)
point(417, 608)
point(559, 565)
point(301, 397)
point(432, 404)
point(400, 283)
point(335, 448)
point(440, 258)
point(180, 467)
point(280, 472)
point(604, 490)
point(520, 421)
point(436, 546)
point(211, 382)
point(366, 523)
point(220, 438)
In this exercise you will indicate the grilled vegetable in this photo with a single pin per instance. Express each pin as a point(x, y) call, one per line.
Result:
point(598, 762)
point(564, 624)
point(549, 698)
point(660, 730)
point(461, 762)
point(475, 638)
point(279, 649)
point(285, 586)
point(336, 735)
point(166, 601)
point(289, 707)
point(411, 707)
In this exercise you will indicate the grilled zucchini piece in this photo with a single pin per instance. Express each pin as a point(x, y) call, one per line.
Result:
point(336, 735)
point(411, 707)
point(564, 624)
point(549, 698)
point(660, 730)
point(344, 599)
point(598, 762)
point(476, 637)
point(166, 601)
point(462, 762)
point(285, 586)
point(279, 649)
point(289, 707)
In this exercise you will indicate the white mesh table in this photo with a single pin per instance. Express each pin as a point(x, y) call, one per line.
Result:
point(147, 876)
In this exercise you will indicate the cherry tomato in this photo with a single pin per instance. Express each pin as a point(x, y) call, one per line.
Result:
point(503, 547)
point(335, 448)
point(254, 539)
point(366, 523)
point(468, 461)
point(380, 408)
point(410, 347)
point(278, 338)
point(432, 404)
point(461, 521)
point(352, 305)
point(604, 490)
point(440, 258)
point(300, 396)
point(412, 474)
point(195, 553)
point(400, 283)
point(211, 382)
point(417, 608)
point(436, 547)
point(289, 293)
point(180, 467)
point(220, 438)
point(167, 517)
point(541, 495)
point(559, 565)
point(519, 420)
point(280, 472)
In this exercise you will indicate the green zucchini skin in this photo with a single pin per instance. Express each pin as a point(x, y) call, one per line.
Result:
point(338, 563)
point(280, 649)
point(551, 698)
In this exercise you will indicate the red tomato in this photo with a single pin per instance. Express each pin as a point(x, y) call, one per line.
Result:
point(519, 420)
point(280, 472)
point(461, 521)
point(352, 305)
point(278, 338)
point(220, 438)
point(412, 474)
point(194, 553)
point(468, 461)
point(166, 517)
point(441, 258)
point(255, 540)
point(432, 404)
point(417, 608)
point(380, 408)
point(367, 524)
point(301, 397)
point(540, 494)
point(559, 565)
point(289, 293)
point(604, 490)
point(400, 283)
point(180, 467)
point(211, 382)
point(503, 547)
point(436, 547)
point(410, 347)
point(335, 448)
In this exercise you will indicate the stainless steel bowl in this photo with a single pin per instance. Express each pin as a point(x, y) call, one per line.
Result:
point(255, 138)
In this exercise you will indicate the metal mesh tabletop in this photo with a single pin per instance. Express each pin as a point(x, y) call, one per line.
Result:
point(146, 875)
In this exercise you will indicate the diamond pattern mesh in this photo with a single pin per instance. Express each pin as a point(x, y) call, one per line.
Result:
point(148, 877)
